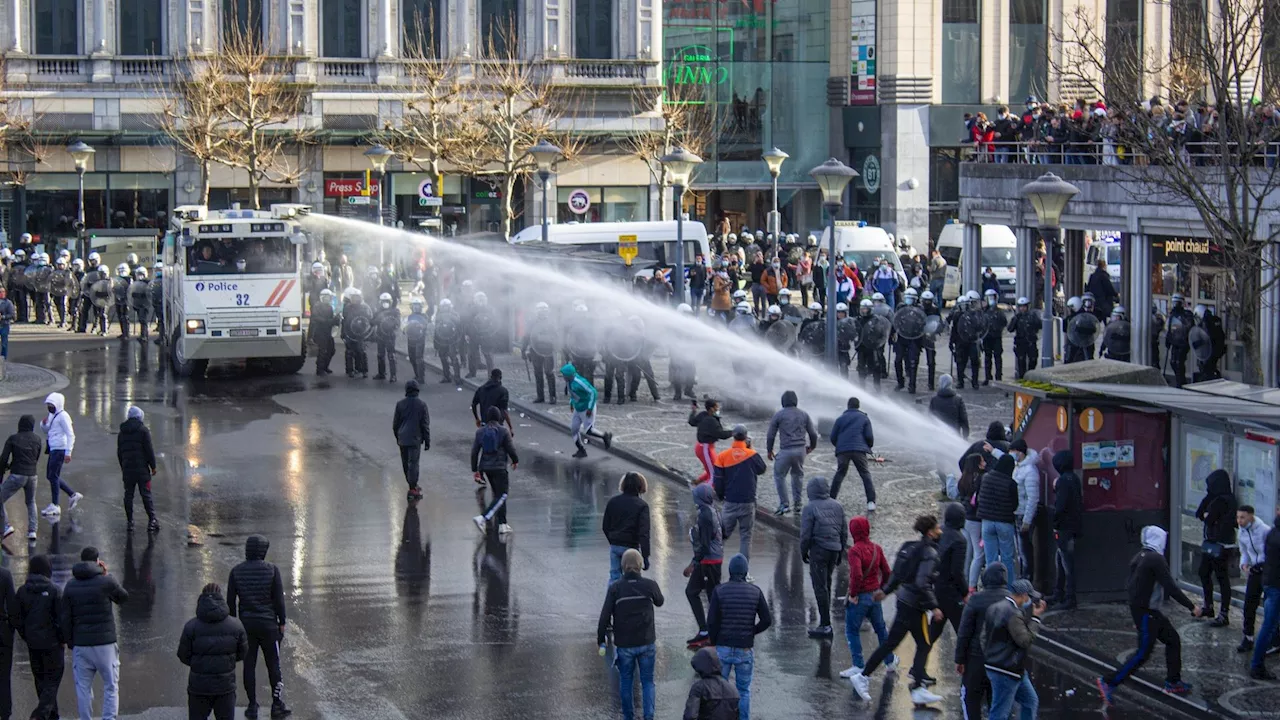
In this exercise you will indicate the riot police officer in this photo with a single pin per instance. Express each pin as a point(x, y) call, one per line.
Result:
point(813, 333)
point(74, 308)
point(928, 342)
point(1073, 352)
point(539, 346)
point(447, 340)
point(478, 328)
point(357, 318)
point(612, 353)
point(372, 285)
point(40, 288)
point(1026, 331)
point(681, 368)
point(580, 343)
point(157, 294)
point(120, 293)
point(140, 301)
point(88, 309)
point(1209, 321)
point(906, 350)
point(1116, 338)
point(1176, 340)
point(1157, 327)
point(640, 366)
point(967, 324)
point(60, 285)
point(789, 312)
point(390, 285)
point(870, 351)
point(386, 322)
point(316, 282)
point(18, 285)
point(323, 320)
point(845, 332)
point(993, 341)
point(415, 332)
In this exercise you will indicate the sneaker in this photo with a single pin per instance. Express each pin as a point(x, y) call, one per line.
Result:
point(850, 672)
point(1220, 622)
point(504, 529)
point(891, 665)
point(51, 510)
point(925, 679)
point(861, 685)
point(871, 507)
point(31, 535)
point(782, 510)
point(608, 440)
point(580, 454)
point(1177, 688)
point(8, 530)
point(821, 632)
point(479, 521)
point(1273, 650)
point(695, 638)
point(153, 526)
point(75, 500)
point(1105, 690)
point(279, 709)
point(1262, 674)
point(921, 696)
point(796, 509)
point(128, 526)
point(1246, 644)
point(251, 711)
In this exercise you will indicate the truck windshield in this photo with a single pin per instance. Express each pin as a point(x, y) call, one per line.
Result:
point(223, 256)
point(998, 257)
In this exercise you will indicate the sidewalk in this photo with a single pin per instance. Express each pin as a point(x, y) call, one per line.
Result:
point(19, 382)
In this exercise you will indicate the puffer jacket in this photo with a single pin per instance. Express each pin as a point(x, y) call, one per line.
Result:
point(1218, 509)
point(917, 590)
point(998, 494)
point(134, 451)
point(21, 454)
point(735, 472)
point(1007, 634)
point(953, 581)
point(711, 697)
point(995, 587)
point(1027, 475)
point(87, 616)
point(707, 533)
point(868, 567)
point(211, 644)
point(38, 611)
point(738, 610)
point(852, 432)
point(950, 409)
point(710, 430)
point(822, 524)
point(256, 587)
point(411, 422)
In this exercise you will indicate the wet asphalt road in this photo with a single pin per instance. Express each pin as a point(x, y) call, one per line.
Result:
point(400, 610)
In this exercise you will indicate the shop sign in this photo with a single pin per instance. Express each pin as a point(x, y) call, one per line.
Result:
point(695, 65)
point(718, 10)
point(344, 187)
point(1189, 246)
point(427, 188)
point(486, 194)
point(871, 174)
point(579, 201)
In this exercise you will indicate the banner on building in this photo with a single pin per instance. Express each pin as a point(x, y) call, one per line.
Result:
point(862, 40)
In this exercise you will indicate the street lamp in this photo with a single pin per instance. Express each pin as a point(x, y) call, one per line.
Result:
point(1049, 195)
point(379, 155)
point(832, 177)
point(545, 155)
point(773, 157)
point(80, 153)
point(680, 164)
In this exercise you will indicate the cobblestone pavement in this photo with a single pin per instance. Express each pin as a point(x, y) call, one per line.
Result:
point(19, 381)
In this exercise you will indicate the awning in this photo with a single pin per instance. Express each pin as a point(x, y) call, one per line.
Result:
point(1230, 410)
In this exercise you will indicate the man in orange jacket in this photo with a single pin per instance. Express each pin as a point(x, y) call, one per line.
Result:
point(734, 479)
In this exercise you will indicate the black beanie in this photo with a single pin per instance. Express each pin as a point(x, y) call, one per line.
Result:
point(1006, 464)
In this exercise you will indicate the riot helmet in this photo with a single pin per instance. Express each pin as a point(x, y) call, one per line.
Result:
point(909, 296)
point(1200, 311)
point(774, 312)
point(122, 270)
point(94, 259)
point(20, 255)
point(1119, 313)
point(1176, 299)
point(813, 240)
point(140, 273)
point(926, 298)
point(815, 306)
point(1074, 303)
point(241, 265)
point(61, 263)
point(864, 307)
point(877, 297)
point(317, 269)
point(842, 310)
point(77, 265)
point(684, 308)
point(542, 309)
point(972, 296)
point(1087, 301)
point(993, 297)
point(132, 259)
point(446, 304)
point(731, 238)
point(739, 296)
point(742, 308)
point(481, 299)
point(385, 300)
point(326, 295)
point(158, 269)
point(784, 297)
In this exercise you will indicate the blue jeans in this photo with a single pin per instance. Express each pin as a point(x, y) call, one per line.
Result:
point(1005, 690)
point(627, 659)
point(1270, 624)
point(615, 563)
point(53, 471)
point(998, 544)
point(973, 554)
point(744, 660)
point(854, 613)
point(4, 341)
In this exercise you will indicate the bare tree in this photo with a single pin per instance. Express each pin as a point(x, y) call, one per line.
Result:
point(686, 120)
point(19, 152)
point(437, 126)
point(1221, 163)
point(194, 116)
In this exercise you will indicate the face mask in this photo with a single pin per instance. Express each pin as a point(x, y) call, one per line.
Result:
point(1026, 604)
point(776, 266)
point(51, 409)
point(716, 413)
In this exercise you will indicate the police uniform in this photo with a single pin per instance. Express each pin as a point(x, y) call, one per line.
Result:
point(323, 320)
point(1026, 331)
point(387, 326)
point(1178, 343)
point(415, 330)
point(993, 344)
point(357, 360)
point(542, 354)
point(446, 339)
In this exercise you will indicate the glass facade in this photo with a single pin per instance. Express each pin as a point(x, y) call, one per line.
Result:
point(1028, 50)
point(608, 204)
point(763, 65)
point(341, 28)
point(111, 200)
point(57, 26)
point(1123, 71)
point(142, 27)
point(961, 51)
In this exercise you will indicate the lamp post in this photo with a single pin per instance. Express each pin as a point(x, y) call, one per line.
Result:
point(80, 153)
point(1049, 195)
point(773, 157)
point(833, 177)
point(379, 155)
point(680, 164)
point(545, 155)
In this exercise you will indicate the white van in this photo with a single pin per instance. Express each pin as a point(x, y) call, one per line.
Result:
point(655, 241)
point(999, 252)
point(1105, 245)
point(865, 245)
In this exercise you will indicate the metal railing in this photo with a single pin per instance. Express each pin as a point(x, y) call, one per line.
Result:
point(1109, 152)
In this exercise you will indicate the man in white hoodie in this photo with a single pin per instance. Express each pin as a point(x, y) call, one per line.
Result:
point(1253, 553)
point(1027, 475)
point(61, 441)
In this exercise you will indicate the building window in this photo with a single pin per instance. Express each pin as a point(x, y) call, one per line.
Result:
point(1123, 71)
point(608, 204)
point(1271, 51)
point(961, 51)
point(422, 28)
point(500, 28)
point(593, 29)
point(342, 27)
point(1187, 26)
point(1028, 50)
point(242, 19)
point(141, 27)
point(57, 27)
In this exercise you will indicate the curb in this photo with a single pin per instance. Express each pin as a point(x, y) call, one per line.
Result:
point(60, 381)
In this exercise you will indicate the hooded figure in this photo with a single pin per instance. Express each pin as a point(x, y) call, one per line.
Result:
point(1218, 513)
point(411, 425)
point(952, 583)
point(711, 697)
point(823, 539)
point(21, 454)
point(998, 495)
point(212, 643)
point(1027, 474)
point(796, 437)
point(1068, 522)
point(60, 442)
point(137, 460)
point(707, 538)
point(949, 407)
point(996, 438)
point(995, 588)
point(257, 587)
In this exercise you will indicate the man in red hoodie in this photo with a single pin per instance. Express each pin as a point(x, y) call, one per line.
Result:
point(868, 572)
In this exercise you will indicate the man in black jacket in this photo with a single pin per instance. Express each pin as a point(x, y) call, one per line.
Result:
point(8, 621)
point(997, 509)
point(1068, 522)
point(709, 432)
point(952, 584)
point(492, 394)
point(824, 537)
point(137, 465)
point(970, 661)
point(1148, 584)
point(626, 523)
point(628, 609)
point(738, 612)
point(411, 424)
point(37, 615)
point(1217, 510)
point(490, 451)
point(1271, 608)
point(21, 459)
point(257, 586)
point(1009, 628)
point(211, 644)
point(90, 626)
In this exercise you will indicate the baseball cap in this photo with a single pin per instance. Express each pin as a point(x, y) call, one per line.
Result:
point(1024, 587)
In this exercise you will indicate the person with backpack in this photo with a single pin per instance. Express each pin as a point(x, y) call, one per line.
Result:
point(823, 539)
point(411, 424)
point(914, 572)
point(490, 452)
point(628, 609)
point(868, 572)
point(737, 613)
point(707, 538)
point(970, 660)
point(626, 523)
point(1217, 510)
point(711, 697)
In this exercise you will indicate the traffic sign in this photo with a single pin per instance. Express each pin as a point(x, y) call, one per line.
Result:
point(579, 202)
point(427, 189)
point(628, 248)
point(359, 200)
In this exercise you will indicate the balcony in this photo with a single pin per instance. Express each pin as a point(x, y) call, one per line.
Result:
point(57, 68)
point(345, 70)
point(142, 68)
point(603, 73)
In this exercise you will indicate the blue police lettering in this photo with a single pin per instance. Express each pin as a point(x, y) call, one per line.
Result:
point(219, 287)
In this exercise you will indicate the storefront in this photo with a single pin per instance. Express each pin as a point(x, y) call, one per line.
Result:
point(434, 205)
point(1196, 269)
point(50, 202)
point(602, 204)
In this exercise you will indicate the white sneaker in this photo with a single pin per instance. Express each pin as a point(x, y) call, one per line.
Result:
point(922, 696)
point(504, 529)
point(861, 685)
point(891, 665)
point(871, 507)
point(51, 510)
point(75, 500)
point(8, 530)
point(31, 535)
point(855, 670)
point(479, 521)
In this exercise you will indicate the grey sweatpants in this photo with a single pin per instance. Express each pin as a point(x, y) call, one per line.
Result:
point(10, 487)
point(789, 460)
point(742, 516)
point(86, 660)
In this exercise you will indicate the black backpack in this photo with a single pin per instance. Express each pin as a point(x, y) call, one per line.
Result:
point(905, 563)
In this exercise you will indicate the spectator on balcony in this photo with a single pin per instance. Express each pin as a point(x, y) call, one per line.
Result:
point(1006, 135)
point(1029, 128)
point(982, 134)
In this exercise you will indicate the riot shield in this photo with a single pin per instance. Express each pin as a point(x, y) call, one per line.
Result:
point(1201, 343)
point(446, 332)
point(483, 323)
point(43, 279)
point(140, 294)
point(909, 322)
point(1176, 334)
point(846, 331)
point(415, 330)
point(388, 323)
point(542, 339)
point(932, 326)
point(625, 344)
point(1082, 330)
point(882, 310)
point(580, 340)
point(813, 338)
point(971, 327)
point(61, 283)
point(100, 293)
point(360, 327)
point(743, 326)
point(782, 335)
point(875, 332)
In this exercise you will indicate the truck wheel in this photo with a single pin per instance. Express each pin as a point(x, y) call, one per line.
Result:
point(289, 365)
point(182, 367)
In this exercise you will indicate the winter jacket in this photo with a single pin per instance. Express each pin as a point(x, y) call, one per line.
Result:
point(822, 524)
point(1149, 580)
point(87, 616)
point(734, 473)
point(998, 495)
point(721, 294)
point(1218, 509)
point(8, 608)
point(868, 567)
point(411, 422)
point(885, 282)
point(1104, 293)
point(707, 533)
point(791, 426)
point(21, 454)
point(738, 610)
point(1253, 544)
point(491, 394)
point(582, 394)
point(628, 609)
point(133, 449)
point(994, 438)
point(1068, 496)
point(709, 428)
point(995, 582)
point(8, 313)
point(1027, 475)
point(61, 432)
point(492, 447)
point(953, 577)
point(773, 280)
point(626, 522)
point(256, 587)
point(1271, 567)
point(1007, 634)
point(917, 590)
point(852, 432)
point(711, 697)
point(212, 643)
point(949, 407)
point(37, 613)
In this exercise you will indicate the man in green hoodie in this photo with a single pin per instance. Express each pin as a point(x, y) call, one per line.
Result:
point(582, 399)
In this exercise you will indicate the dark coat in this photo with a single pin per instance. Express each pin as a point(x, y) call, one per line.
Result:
point(38, 613)
point(133, 450)
point(735, 472)
point(709, 428)
point(949, 407)
point(995, 588)
point(953, 579)
point(628, 609)
point(8, 608)
point(87, 616)
point(411, 422)
point(1068, 496)
point(626, 522)
point(492, 447)
point(490, 394)
point(917, 591)
point(21, 454)
point(998, 496)
point(212, 643)
point(737, 613)
point(256, 585)
point(1271, 566)
point(1104, 293)
point(822, 523)
point(1007, 635)
point(1218, 509)
point(852, 432)
point(711, 697)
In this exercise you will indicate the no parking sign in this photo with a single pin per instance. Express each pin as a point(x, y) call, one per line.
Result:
point(579, 202)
